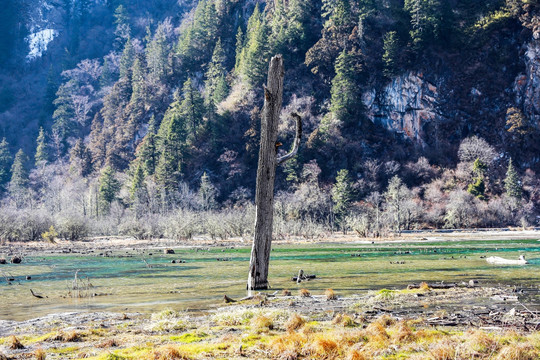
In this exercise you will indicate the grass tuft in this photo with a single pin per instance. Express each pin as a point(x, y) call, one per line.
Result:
point(107, 344)
point(324, 347)
point(330, 294)
point(14, 343)
point(304, 293)
point(294, 322)
point(286, 293)
point(262, 323)
point(443, 350)
point(519, 352)
point(424, 286)
point(169, 352)
point(40, 354)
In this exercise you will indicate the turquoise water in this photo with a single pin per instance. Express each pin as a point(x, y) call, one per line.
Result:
point(127, 284)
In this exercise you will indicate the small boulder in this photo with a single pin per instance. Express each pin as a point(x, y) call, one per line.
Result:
point(16, 260)
point(168, 251)
point(3, 261)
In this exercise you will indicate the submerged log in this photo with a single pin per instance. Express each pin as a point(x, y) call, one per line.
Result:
point(228, 299)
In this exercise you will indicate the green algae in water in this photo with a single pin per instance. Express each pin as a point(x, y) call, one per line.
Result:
point(128, 284)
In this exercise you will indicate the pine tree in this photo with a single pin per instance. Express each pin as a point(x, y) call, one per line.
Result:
point(207, 193)
point(64, 113)
point(512, 183)
point(156, 55)
point(426, 21)
point(390, 48)
point(196, 43)
point(192, 110)
point(107, 76)
point(42, 152)
point(147, 154)
point(478, 188)
point(5, 163)
point(80, 159)
point(253, 59)
point(138, 82)
point(121, 20)
point(215, 84)
point(172, 135)
point(345, 94)
point(109, 187)
point(137, 184)
point(342, 195)
point(239, 47)
point(50, 91)
point(19, 171)
point(339, 14)
point(127, 59)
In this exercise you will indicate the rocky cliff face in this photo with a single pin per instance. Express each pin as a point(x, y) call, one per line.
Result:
point(406, 105)
point(527, 85)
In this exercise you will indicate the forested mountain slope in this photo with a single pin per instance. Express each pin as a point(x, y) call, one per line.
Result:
point(425, 110)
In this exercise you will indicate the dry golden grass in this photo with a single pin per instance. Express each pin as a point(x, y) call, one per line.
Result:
point(40, 354)
point(385, 320)
point(286, 293)
point(262, 323)
point(344, 320)
point(330, 294)
point(377, 336)
point(294, 322)
point(403, 333)
point(288, 346)
point(357, 354)
point(424, 286)
point(478, 343)
point(323, 347)
point(519, 352)
point(443, 350)
point(107, 344)
point(169, 352)
point(14, 343)
point(3, 357)
point(304, 293)
point(72, 336)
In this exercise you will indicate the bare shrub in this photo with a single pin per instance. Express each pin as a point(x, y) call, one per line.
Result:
point(473, 148)
point(72, 227)
point(461, 210)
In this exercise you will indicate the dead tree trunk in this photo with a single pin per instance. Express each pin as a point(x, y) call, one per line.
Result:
point(266, 172)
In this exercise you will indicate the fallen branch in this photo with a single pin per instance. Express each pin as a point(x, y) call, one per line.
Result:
point(35, 295)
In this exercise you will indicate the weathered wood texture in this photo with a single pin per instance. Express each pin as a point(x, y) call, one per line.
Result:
point(266, 172)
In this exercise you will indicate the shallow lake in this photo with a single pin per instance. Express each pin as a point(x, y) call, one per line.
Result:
point(139, 282)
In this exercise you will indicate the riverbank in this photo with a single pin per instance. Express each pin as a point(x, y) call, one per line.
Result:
point(423, 323)
point(122, 243)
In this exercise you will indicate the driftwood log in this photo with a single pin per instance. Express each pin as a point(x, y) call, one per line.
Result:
point(266, 172)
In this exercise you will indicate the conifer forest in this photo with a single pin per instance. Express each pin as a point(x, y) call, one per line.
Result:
point(141, 118)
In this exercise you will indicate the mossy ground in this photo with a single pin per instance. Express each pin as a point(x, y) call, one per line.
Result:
point(278, 329)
